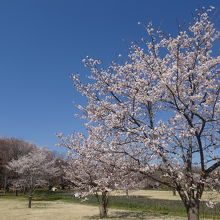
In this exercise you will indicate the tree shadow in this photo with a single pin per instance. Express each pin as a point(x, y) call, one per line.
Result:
point(129, 215)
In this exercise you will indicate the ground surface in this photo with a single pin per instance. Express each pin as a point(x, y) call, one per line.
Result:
point(17, 210)
point(168, 195)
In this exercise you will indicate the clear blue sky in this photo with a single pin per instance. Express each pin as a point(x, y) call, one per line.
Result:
point(42, 42)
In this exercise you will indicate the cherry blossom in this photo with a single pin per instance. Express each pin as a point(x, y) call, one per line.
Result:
point(33, 169)
point(161, 108)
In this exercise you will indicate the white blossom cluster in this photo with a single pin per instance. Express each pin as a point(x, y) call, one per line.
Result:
point(161, 108)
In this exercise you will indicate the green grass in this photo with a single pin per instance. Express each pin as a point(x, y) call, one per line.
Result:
point(156, 206)
point(136, 203)
point(133, 203)
point(40, 195)
point(12, 196)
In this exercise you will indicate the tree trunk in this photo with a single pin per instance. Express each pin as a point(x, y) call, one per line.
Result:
point(174, 192)
point(103, 211)
point(30, 198)
point(5, 184)
point(50, 187)
point(25, 190)
point(192, 203)
point(126, 191)
point(103, 203)
point(193, 210)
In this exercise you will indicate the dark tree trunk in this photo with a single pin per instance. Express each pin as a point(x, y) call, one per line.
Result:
point(193, 210)
point(192, 202)
point(103, 203)
point(30, 198)
point(174, 192)
point(29, 201)
point(5, 184)
point(126, 191)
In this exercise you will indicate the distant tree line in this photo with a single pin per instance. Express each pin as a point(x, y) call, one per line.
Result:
point(21, 160)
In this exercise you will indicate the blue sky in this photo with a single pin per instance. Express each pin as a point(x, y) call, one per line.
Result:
point(43, 41)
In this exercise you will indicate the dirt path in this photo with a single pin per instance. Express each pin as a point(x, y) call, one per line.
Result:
point(17, 210)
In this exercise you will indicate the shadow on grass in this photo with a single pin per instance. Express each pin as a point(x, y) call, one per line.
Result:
point(129, 215)
point(134, 205)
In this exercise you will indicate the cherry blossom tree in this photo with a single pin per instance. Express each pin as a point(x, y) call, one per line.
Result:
point(34, 170)
point(91, 171)
point(161, 107)
point(11, 148)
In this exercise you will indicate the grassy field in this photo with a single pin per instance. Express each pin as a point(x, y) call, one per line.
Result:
point(11, 209)
point(147, 204)
point(165, 194)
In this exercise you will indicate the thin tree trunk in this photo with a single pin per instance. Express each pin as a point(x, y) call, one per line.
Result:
point(5, 184)
point(30, 198)
point(126, 191)
point(174, 192)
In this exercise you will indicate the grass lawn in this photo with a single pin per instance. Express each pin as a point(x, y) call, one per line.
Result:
point(165, 194)
point(146, 204)
point(11, 209)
